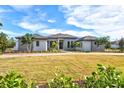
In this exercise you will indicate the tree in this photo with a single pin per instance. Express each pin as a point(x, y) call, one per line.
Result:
point(108, 45)
point(103, 41)
point(28, 40)
point(11, 43)
point(3, 42)
point(121, 44)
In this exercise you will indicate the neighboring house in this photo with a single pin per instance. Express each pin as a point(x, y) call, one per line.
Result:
point(88, 43)
point(115, 44)
point(64, 41)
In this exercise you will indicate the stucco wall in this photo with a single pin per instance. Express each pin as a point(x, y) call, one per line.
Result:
point(65, 42)
point(96, 47)
point(16, 47)
point(65, 47)
point(21, 47)
point(91, 46)
point(86, 45)
point(42, 45)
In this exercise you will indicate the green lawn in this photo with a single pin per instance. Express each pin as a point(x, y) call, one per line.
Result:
point(42, 68)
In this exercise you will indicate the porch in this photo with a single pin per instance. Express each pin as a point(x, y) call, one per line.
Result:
point(59, 43)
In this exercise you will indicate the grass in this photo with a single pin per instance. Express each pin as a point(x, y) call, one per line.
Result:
point(42, 68)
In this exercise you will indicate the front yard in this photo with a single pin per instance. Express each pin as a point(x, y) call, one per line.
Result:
point(42, 68)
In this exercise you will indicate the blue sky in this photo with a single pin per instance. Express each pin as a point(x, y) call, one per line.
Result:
point(75, 20)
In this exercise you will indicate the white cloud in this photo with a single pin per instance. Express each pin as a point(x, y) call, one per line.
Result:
point(117, 34)
point(102, 19)
point(2, 10)
point(51, 21)
point(32, 26)
point(10, 33)
point(71, 32)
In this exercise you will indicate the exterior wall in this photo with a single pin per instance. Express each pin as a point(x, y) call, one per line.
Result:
point(16, 47)
point(42, 45)
point(90, 46)
point(21, 47)
point(85, 45)
point(65, 44)
point(96, 47)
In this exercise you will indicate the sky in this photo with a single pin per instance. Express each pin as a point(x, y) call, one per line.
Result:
point(95, 20)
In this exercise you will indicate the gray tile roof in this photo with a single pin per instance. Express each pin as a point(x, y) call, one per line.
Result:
point(39, 36)
point(54, 36)
point(36, 36)
point(87, 38)
point(60, 35)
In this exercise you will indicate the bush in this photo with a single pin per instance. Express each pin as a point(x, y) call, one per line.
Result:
point(13, 80)
point(104, 77)
point(62, 81)
point(53, 50)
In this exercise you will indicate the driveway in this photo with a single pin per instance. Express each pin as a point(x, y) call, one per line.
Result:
point(54, 54)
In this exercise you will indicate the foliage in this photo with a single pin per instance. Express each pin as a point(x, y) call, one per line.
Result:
point(3, 42)
point(52, 50)
point(11, 43)
point(54, 45)
point(76, 44)
point(13, 80)
point(103, 41)
point(121, 44)
point(104, 77)
point(62, 81)
point(28, 40)
point(108, 45)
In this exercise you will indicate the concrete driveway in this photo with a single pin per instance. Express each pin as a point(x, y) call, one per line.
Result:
point(54, 54)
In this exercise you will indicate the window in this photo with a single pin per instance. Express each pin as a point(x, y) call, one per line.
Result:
point(37, 43)
point(68, 45)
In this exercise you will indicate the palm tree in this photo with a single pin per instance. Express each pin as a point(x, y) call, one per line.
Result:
point(27, 39)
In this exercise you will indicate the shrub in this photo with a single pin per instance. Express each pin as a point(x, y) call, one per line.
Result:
point(104, 77)
point(13, 80)
point(62, 81)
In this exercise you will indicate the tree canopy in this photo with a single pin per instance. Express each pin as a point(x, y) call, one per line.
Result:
point(103, 41)
point(27, 39)
point(3, 42)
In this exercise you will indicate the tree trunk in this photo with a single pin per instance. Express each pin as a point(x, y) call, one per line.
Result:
point(27, 45)
point(3, 50)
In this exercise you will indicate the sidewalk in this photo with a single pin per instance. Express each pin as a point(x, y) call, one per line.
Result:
point(55, 54)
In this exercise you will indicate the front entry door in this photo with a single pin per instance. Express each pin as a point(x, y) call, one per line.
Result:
point(61, 44)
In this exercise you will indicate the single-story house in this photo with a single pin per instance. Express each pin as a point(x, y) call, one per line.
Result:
point(65, 41)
